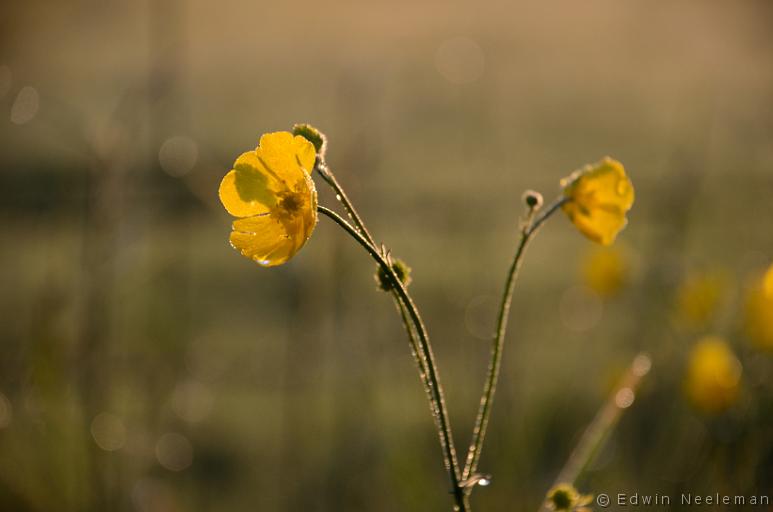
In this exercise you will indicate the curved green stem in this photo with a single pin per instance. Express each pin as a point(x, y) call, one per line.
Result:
point(331, 180)
point(441, 413)
point(484, 411)
point(415, 349)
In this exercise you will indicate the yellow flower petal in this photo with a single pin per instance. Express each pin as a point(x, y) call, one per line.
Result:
point(599, 196)
point(286, 156)
point(248, 189)
point(598, 224)
point(604, 182)
point(263, 239)
point(306, 153)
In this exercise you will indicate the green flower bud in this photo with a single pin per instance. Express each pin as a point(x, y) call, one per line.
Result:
point(566, 497)
point(313, 135)
point(402, 271)
point(532, 199)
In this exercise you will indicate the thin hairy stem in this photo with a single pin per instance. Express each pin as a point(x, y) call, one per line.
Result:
point(444, 431)
point(421, 361)
point(331, 180)
point(531, 226)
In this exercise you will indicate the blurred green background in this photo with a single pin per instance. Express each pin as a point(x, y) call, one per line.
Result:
point(145, 366)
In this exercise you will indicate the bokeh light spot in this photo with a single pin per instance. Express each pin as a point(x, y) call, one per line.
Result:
point(26, 106)
point(174, 451)
point(641, 365)
point(460, 60)
point(108, 431)
point(178, 155)
point(624, 398)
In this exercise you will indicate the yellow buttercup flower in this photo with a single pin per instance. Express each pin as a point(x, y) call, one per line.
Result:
point(759, 311)
point(713, 375)
point(599, 195)
point(271, 192)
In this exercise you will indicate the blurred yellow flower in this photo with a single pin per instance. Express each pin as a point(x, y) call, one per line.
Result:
point(272, 194)
point(599, 195)
point(698, 298)
point(605, 270)
point(713, 378)
point(759, 311)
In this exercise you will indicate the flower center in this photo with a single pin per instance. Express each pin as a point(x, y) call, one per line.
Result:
point(291, 202)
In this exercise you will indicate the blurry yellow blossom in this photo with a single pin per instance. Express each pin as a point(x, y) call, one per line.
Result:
point(565, 497)
point(713, 375)
point(698, 298)
point(759, 311)
point(605, 270)
point(270, 191)
point(599, 195)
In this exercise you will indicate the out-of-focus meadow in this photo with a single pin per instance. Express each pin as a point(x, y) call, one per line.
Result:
point(146, 366)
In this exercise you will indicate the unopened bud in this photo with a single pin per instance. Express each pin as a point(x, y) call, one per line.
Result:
point(400, 268)
point(565, 497)
point(312, 135)
point(532, 199)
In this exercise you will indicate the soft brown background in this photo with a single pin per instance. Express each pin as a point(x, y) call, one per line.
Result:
point(125, 317)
